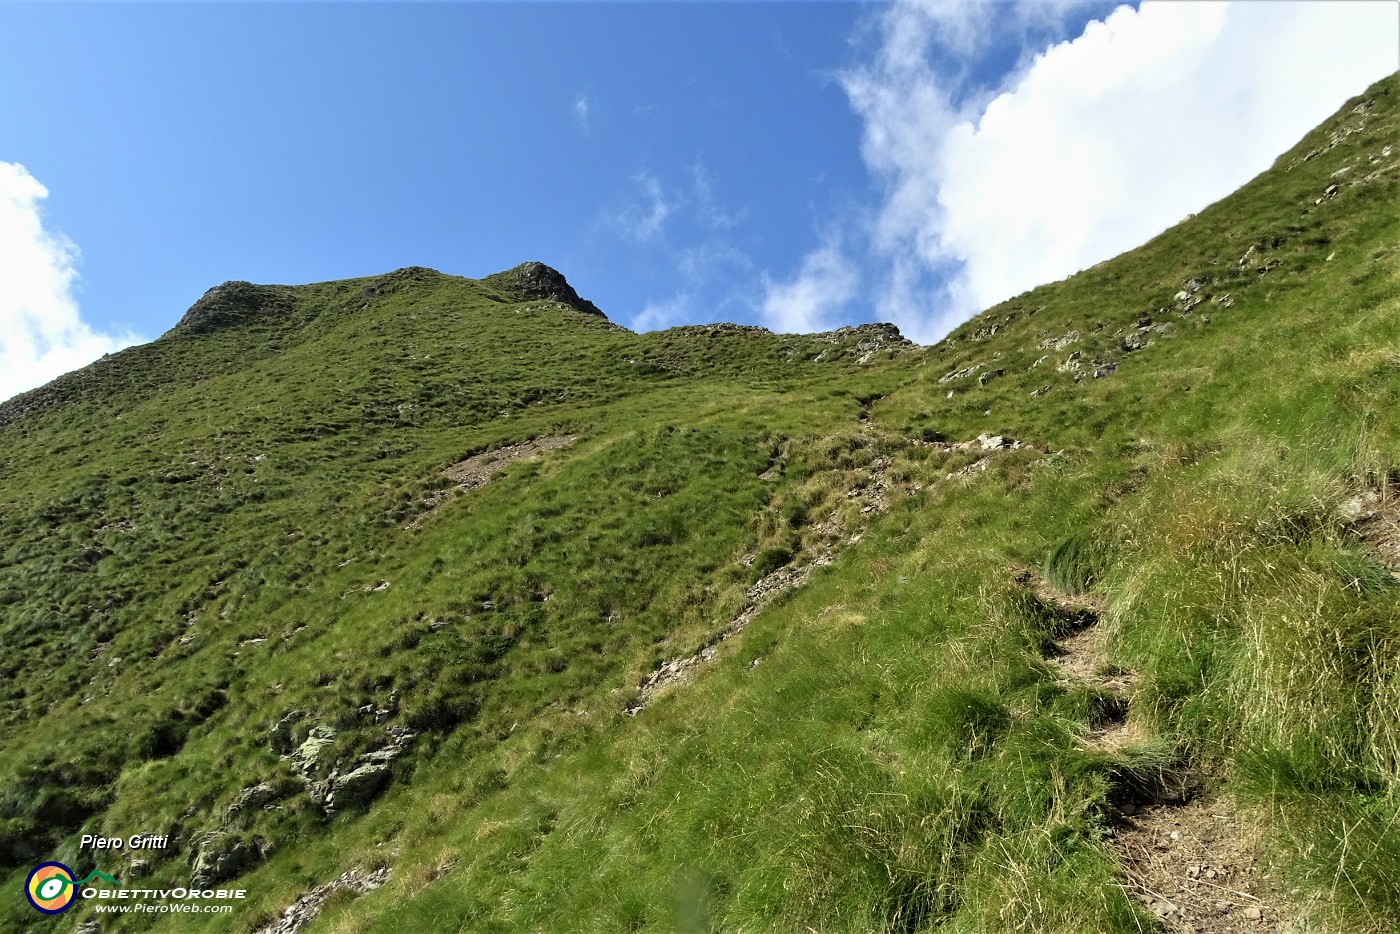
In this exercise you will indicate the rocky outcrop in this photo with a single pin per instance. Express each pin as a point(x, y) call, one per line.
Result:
point(357, 788)
point(281, 738)
point(231, 304)
point(305, 756)
point(864, 342)
point(222, 855)
point(963, 373)
point(364, 780)
point(252, 798)
point(536, 281)
point(1061, 342)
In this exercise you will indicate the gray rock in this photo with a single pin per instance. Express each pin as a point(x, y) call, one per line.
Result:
point(988, 376)
point(279, 738)
point(960, 374)
point(1061, 342)
point(1134, 341)
point(1360, 507)
point(358, 788)
point(380, 756)
point(320, 792)
point(306, 755)
point(252, 798)
point(1104, 369)
point(308, 906)
point(990, 442)
point(139, 868)
point(222, 855)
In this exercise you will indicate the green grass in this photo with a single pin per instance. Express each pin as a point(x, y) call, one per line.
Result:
point(196, 538)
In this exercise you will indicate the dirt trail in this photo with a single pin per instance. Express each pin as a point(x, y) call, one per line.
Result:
point(1080, 658)
point(1196, 868)
point(1190, 859)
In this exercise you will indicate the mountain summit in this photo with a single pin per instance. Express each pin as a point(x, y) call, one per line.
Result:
point(533, 280)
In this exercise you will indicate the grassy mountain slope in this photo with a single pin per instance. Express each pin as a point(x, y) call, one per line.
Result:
point(241, 537)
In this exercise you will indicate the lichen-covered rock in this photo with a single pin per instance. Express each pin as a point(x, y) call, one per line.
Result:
point(305, 757)
point(280, 739)
point(223, 855)
point(357, 788)
point(252, 798)
point(1061, 342)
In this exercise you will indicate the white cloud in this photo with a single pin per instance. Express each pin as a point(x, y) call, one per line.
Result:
point(826, 282)
point(1091, 147)
point(657, 316)
point(42, 334)
point(581, 113)
point(645, 219)
point(707, 205)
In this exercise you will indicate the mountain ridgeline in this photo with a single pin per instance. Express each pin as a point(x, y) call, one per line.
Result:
point(424, 603)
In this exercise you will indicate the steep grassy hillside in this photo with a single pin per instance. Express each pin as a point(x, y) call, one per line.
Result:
point(513, 620)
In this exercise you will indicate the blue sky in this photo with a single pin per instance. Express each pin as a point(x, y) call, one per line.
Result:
point(799, 165)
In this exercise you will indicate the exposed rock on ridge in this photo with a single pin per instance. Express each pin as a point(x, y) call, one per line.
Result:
point(535, 281)
point(864, 342)
point(233, 303)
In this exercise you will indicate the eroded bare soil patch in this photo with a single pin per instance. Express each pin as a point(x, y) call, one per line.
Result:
point(477, 471)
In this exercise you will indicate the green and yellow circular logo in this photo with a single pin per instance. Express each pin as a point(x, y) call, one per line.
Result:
point(50, 888)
